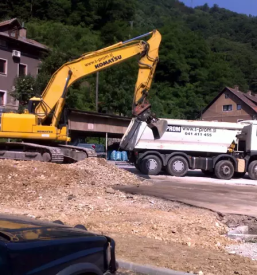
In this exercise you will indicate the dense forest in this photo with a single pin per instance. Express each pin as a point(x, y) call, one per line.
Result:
point(203, 49)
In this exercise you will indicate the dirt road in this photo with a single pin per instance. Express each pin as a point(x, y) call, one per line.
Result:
point(227, 199)
point(236, 196)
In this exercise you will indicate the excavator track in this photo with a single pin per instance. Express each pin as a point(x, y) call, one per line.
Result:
point(75, 153)
point(31, 151)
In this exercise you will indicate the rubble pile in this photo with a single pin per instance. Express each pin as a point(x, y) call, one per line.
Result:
point(26, 179)
point(104, 173)
point(42, 186)
point(82, 193)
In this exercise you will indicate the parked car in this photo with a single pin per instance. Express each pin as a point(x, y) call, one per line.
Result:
point(29, 246)
point(99, 148)
point(86, 145)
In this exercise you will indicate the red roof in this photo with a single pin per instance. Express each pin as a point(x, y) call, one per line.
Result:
point(252, 97)
point(243, 97)
point(9, 22)
point(26, 40)
point(250, 101)
point(21, 39)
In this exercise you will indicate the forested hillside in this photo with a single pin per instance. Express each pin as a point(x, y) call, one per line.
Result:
point(203, 49)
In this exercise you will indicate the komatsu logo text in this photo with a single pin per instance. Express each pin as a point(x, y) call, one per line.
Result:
point(109, 61)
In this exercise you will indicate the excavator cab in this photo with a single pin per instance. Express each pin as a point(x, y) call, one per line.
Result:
point(33, 103)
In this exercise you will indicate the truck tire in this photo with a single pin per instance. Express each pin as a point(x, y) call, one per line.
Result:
point(207, 173)
point(177, 166)
point(252, 170)
point(150, 165)
point(224, 170)
point(137, 165)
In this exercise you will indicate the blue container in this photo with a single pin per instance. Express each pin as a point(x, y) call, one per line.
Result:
point(118, 156)
point(113, 155)
point(124, 156)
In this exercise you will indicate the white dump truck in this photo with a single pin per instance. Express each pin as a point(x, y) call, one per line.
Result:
point(220, 148)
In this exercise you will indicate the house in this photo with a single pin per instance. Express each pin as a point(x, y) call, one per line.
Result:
point(231, 105)
point(18, 56)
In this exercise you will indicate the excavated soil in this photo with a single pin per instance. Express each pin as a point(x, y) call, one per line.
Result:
point(146, 230)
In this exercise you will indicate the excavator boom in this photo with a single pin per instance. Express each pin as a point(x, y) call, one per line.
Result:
point(41, 121)
point(54, 95)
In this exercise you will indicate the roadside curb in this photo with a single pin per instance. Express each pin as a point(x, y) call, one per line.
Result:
point(147, 269)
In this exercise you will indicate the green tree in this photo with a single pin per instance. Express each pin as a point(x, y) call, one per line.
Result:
point(24, 90)
point(203, 49)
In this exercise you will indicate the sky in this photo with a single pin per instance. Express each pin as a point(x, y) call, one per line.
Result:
point(240, 6)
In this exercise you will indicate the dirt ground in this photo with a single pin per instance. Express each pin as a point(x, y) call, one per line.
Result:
point(147, 230)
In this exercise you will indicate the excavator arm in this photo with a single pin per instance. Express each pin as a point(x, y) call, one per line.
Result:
point(53, 98)
point(39, 125)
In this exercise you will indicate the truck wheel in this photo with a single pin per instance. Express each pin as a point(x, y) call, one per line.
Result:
point(207, 173)
point(252, 170)
point(150, 165)
point(177, 166)
point(224, 170)
point(137, 165)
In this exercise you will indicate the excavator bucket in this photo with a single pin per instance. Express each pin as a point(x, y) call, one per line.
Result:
point(135, 130)
point(158, 127)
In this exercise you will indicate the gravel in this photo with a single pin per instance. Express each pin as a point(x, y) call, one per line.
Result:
point(147, 230)
point(245, 249)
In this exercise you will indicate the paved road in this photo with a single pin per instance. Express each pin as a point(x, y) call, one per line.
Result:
point(236, 196)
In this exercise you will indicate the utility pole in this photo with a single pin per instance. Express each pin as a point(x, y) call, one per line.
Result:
point(131, 26)
point(31, 8)
point(96, 91)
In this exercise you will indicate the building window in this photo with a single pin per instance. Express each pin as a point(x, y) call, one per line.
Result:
point(239, 107)
point(3, 66)
point(22, 69)
point(226, 95)
point(227, 108)
point(2, 98)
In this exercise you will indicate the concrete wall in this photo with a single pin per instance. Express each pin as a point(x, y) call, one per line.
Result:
point(215, 111)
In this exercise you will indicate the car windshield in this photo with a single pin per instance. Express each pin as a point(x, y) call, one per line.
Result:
point(99, 148)
point(85, 145)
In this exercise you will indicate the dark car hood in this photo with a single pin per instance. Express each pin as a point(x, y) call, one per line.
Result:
point(17, 229)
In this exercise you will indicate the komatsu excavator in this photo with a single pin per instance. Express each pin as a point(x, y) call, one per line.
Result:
point(39, 126)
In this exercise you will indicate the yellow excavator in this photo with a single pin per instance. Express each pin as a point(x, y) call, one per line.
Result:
point(39, 126)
